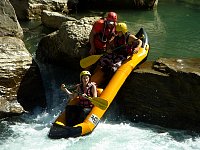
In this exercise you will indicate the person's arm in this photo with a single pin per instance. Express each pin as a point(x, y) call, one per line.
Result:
point(132, 39)
point(91, 38)
point(71, 95)
point(97, 27)
point(94, 90)
point(138, 46)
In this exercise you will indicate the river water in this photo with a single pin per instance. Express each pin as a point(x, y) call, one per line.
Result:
point(173, 31)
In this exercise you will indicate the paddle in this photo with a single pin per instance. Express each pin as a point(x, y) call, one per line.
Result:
point(90, 60)
point(97, 101)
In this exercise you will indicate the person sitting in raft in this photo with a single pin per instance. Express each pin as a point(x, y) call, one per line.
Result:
point(102, 33)
point(125, 44)
point(76, 113)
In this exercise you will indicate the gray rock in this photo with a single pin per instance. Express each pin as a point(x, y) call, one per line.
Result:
point(32, 9)
point(165, 93)
point(9, 25)
point(12, 107)
point(68, 43)
point(14, 61)
point(54, 19)
point(19, 77)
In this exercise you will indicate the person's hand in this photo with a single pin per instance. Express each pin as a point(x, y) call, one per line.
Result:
point(92, 51)
point(84, 95)
point(63, 86)
point(136, 50)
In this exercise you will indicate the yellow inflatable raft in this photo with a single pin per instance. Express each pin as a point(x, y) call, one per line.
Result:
point(60, 129)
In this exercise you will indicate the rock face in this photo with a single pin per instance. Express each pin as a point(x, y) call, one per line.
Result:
point(31, 93)
point(165, 93)
point(9, 25)
point(32, 9)
point(15, 61)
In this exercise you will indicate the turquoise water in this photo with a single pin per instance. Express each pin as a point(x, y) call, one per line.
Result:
point(173, 31)
point(33, 32)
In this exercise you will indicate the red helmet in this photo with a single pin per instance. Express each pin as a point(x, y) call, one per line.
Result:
point(112, 16)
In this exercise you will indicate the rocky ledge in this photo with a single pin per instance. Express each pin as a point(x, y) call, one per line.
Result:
point(165, 92)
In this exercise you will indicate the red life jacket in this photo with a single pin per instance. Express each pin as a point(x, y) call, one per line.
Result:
point(103, 34)
point(85, 103)
point(119, 41)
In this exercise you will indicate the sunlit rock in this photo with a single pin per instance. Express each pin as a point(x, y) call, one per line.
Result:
point(32, 9)
point(15, 62)
point(9, 25)
point(54, 19)
point(69, 43)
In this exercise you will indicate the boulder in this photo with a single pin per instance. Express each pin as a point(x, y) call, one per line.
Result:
point(32, 9)
point(9, 25)
point(68, 44)
point(19, 76)
point(31, 92)
point(15, 62)
point(165, 93)
point(54, 19)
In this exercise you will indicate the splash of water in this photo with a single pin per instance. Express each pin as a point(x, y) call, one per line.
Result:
point(30, 132)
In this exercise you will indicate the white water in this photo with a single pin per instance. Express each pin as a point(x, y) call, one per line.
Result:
point(29, 132)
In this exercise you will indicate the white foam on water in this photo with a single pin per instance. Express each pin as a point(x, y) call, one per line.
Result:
point(122, 136)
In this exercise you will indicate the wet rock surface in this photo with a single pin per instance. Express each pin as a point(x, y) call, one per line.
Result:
point(15, 61)
point(31, 92)
point(165, 93)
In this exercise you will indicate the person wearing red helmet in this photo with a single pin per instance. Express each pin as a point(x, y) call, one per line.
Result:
point(102, 33)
